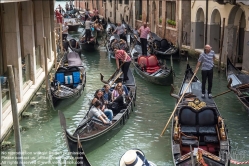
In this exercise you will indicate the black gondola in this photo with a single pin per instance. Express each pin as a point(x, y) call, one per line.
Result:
point(89, 45)
point(69, 80)
point(198, 133)
point(94, 133)
point(115, 41)
point(81, 156)
point(163, 48)
point(110, 27)
point(149, 68)
point(240, 83)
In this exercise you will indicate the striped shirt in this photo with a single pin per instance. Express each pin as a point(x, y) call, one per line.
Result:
point(207, 60)
point(144, 32)
point(120, 54)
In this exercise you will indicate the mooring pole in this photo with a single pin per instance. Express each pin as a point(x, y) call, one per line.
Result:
point(15, 116)
point(1, 107)
point(46, 62)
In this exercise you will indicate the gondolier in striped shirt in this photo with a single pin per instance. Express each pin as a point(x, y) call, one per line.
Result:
point(206, 58)
point(144, 31)
point(122, 56)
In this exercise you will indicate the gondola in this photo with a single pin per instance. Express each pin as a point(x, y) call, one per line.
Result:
point(149, 68)
point(110, 27)
point(198, 133)
point(115, 41)
point(91, 45)
point(240, 83)
point(69, 79)
point(94, 133)
point(81, 156)
point(73, 24)
point(163, 48)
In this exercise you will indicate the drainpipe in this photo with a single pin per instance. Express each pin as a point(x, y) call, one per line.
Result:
point(206, 22)
point(147, 17)
point(114, 13)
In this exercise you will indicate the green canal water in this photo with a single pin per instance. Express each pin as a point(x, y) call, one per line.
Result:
point(42, 138)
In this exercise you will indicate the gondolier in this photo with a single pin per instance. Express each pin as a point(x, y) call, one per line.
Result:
point(86, 14)
point(65, 31)
point(144, 31)
point(120, 30)
point(207, 60)
point(88, 24)
point(126, 59)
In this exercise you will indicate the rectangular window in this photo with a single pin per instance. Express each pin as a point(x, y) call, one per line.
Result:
point(171, 10)
point(138, 7)
point(160, 9)
point(126, 2)
point(110, 14)
point(120, 1)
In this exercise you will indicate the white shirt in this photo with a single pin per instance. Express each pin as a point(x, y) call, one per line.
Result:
point(65, 29)
point(88, 24)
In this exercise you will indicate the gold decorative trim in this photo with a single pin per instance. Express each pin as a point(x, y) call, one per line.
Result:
point(197, 104)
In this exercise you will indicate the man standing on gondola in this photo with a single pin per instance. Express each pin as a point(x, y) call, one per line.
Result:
point(120, 30)
point(144, 31)
point(206, 58)
point(122, 56)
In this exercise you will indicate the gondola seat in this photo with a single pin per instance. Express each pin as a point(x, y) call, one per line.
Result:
point(150, 63)
point(187, 121)
point(164, 45)
point(207, 120)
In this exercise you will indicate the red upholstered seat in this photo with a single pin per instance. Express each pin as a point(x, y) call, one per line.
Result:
point(149, 62)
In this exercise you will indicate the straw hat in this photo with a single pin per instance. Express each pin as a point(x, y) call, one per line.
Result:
point(134, 157)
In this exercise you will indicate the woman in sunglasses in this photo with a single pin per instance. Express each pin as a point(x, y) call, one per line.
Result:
point(99, 96)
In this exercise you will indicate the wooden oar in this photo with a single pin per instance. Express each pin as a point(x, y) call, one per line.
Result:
point(228, 86)
point(179, 102)
point(232, 89)
point(115, 73)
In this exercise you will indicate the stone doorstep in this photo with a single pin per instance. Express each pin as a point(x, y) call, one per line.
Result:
point(200, 51)
point(7, 122)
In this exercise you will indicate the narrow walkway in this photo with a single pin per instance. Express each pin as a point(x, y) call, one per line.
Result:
point(7, 121)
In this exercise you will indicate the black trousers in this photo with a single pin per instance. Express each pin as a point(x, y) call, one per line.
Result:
point(88, 34)
point(144, 46)
point(86, 16)
point(207, 74)
point(64, 36)
point(123, 36)
point(125, 69)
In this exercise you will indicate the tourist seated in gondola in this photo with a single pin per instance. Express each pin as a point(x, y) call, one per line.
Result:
point(95, 112)
point(107, 94)
point(119, 102)
point(115, 93)
point(67, 6)
point(114, 44)
point(123, 45)
point(99, 96)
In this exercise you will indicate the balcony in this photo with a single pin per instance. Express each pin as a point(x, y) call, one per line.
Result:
point(232, 2)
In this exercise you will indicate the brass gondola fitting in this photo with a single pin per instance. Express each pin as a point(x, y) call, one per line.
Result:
point(197, 104)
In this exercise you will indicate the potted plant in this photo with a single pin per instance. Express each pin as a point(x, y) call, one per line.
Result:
point(140, 17)
point(160, 20)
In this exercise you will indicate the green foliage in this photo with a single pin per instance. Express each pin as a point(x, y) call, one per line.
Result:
point(160, 20)
point(171, 22)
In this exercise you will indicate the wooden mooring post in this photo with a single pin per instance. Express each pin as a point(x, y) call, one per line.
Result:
point(1, 107)
point(221, 44)
point(46, 62)
point(15, 116)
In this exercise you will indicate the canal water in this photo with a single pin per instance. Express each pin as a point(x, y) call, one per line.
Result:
point(42, 138)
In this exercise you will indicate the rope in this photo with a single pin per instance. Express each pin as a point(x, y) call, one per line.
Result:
point(239, 163)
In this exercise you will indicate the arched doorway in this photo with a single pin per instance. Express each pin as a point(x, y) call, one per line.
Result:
point(214, 31)
point(153, 17)
point(237, 21)
point(199, 29)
